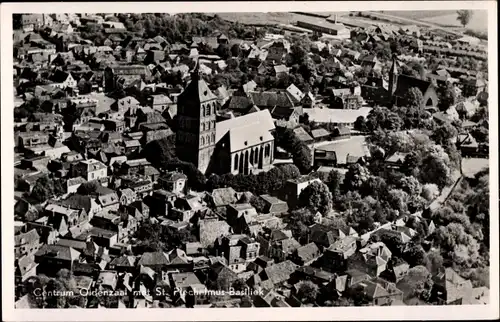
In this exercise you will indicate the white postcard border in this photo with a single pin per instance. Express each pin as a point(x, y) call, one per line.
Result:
point(490, 311)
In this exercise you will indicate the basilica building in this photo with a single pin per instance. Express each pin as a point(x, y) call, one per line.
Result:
point(243, 144)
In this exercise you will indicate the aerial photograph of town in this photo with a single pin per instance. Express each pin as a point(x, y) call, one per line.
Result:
point(251, 159)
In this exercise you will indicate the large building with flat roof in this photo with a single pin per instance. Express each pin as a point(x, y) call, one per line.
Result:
point(326, 27)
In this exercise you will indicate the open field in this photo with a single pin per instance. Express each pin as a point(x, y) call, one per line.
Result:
point(471, 166)
point(478, 22)
point(418, 14)
point(260, 18)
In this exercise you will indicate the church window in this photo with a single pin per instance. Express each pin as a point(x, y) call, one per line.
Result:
point(208, 139)
point(208, 125)
point(202, 140)
point(207, 110)
point(213, 137)
point(267, 150)
point(203, 110)
point(236, 162)
point(203, 126)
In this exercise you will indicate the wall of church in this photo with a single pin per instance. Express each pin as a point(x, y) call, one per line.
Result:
point(254, 159)
point(430, 98)
point(196, 133)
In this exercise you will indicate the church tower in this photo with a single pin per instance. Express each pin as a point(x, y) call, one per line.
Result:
point(195, 138)
point(393, 77)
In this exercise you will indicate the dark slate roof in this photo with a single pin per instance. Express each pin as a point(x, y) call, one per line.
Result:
point(406, 82)
point(270, 99)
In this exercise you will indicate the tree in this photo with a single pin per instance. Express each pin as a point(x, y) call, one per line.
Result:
point(434, 262)
point(481, 134)
point(298, 53)
point(443, 134)
point(223, 51)
point(258, 203)
point(374, 186)
point(410, 185)
point(457, 245)
point(307, 291)
point(383, 118)
point(398, 200)
point(416, 283)
point(46, 188)
point(235, 50)
point(299, 221)
point(430, 191)
point(447, 97)
point(464, 17)
point(435, 169)
point(355, 177)
point(290, 171)
point(415, 97)
point(334, 182)
point(316, 197)
point(286, 138)
point(360, 123)
point(414, 255)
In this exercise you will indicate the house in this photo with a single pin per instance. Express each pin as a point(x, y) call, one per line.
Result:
point(238, 250)
point(467, 144)
point(239, 216)
point(174, 182)
point(78, 201)
point(450, 288)
point(222, 197)
point(26, 267)
point(62, 79)
point(26, 243)
point(320, 134)
point(274, 205)
point(309, 100)
point(467, 108)
point(397, 272)
point(372, 259)
point(64, 215)
point(378, 292)
point(336, 255)
point(280, 246)
point(276, 274)
point(302, 135)
point(31, 139)
point(396, 160)
point(90, 170)
point(52, 258)
point(293, 188)
point(286, 117)
point(280, 71)
point(269, 99)
point(305, 255)
point(295, 93)
point(211, 229)
point(473, 86)
point(342, 153)
point(127, 196)
point(315, 275)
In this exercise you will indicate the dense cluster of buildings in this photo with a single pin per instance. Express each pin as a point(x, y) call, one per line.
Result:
point(92, 141)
